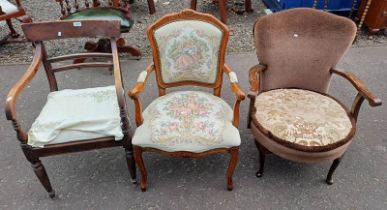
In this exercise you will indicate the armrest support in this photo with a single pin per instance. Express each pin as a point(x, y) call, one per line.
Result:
point(119, 85)
point(10, 106)
point(253, 79)
point(364, 93)
point(240, 95)
point(134, 93)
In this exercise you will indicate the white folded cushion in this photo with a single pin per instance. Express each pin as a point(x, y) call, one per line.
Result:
point(71, 115)
point(7, 7)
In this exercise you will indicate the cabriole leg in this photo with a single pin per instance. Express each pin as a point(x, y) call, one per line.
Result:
point(334, 165)
point(234, 152)
point(140, 163)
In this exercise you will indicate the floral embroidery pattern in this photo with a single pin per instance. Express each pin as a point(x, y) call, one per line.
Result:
point(302, 117)
point(188, 51)
point(188, 117)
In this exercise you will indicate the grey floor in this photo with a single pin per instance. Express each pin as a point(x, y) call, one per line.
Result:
point(100, 179)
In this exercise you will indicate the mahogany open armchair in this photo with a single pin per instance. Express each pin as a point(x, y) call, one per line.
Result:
point(188, 50)
point(9, 11)
point(291, 113)
point(101, 10)
point(72, 120)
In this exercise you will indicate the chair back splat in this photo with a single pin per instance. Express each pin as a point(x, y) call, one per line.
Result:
point(300, 46)
point(189, 49)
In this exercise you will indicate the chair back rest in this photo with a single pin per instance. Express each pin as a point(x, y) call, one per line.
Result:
point(300, 46)
point(188, 49)
point(45, 31)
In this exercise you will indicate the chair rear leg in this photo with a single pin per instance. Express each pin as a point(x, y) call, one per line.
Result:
point(334, 165)
point(41, 173)
point(140, 163)
point(151, 6)
point(223, 10)
point(131, 165)
point(234, 153)
point(193, 4)
point(14, 34)
point(262, 157)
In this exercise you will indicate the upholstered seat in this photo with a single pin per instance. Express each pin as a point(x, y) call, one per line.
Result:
point(190, 121)
point(7, 7)
point(103, 14)
point(77, 115)
point(303, 119)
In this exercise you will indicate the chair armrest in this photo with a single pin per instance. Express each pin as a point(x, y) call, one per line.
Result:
point(253, 80)
point(363, 93)
point(119, 86)
point(134, 93)
point(240, 95)
point(10, 105)
point(360, 86)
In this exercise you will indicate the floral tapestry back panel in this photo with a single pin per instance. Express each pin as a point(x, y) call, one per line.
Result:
point(188, 51)
point(188, 117)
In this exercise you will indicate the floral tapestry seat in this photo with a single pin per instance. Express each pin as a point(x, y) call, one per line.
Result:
point(77, 115)
point(189, 121)
point(303, 119)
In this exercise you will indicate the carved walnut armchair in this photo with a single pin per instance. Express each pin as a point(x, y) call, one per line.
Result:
point(188, 50)
point(9, 11)
point(291, 113)
point(72, 120)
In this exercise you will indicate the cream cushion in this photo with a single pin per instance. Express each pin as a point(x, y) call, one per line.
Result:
point(302, 117)
point(81, 114)
point(188, 51)
point(190, 121)
point(7, 7)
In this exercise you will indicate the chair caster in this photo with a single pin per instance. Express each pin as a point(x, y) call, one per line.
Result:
point(51, 194)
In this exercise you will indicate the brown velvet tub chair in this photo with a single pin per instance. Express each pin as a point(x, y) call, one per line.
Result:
point(291, 113)
point(72, 120)
point(8, 11)
point(188, 50)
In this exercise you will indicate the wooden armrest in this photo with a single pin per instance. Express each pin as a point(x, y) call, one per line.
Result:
point(254, 83)
point(240, 95)
point(10, 105)
point(360, 86)
point(136, 90)
point(234, 83)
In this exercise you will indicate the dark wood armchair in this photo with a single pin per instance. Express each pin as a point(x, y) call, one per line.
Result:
point(106, 10)
point(223, 8)
point(188, 50)
point(291, 113)
point(9, 11)
point(72, 120)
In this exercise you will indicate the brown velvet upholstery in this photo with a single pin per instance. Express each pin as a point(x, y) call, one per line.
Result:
point(300, 46)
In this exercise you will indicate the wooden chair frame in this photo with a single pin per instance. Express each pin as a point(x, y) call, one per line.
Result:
point(102, 45)
point(21, 15)
point(363, 94)
point(223, 8)
point(223, 68)
point(39, 32)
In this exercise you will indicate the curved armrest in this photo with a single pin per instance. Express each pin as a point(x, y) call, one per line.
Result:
point(119, 85)
point(363, 93)
point(10, 106)
point(240, 95)
point(253, 73)
point(360, 86)
point(134, 93)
